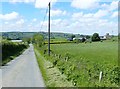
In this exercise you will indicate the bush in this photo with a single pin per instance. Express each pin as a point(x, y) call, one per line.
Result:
point(10, 49)
point(38, 39)
point(95, 37)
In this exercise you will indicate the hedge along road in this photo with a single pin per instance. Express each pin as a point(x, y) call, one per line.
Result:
point(23, 71)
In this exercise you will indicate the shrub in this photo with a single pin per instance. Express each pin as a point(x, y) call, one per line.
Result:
point(10, 49)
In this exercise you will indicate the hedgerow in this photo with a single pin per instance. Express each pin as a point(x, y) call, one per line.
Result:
point(10, 50)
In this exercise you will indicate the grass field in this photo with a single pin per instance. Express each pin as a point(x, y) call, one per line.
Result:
point(82, 63)
point(98, 51)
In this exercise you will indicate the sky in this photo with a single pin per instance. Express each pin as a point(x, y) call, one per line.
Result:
point(67, 16)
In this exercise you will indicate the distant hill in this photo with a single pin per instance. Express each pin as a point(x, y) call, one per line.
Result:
point(17, 35)
point(21, 35)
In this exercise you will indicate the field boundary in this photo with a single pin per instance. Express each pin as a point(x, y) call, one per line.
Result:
point(13, 55)
point(51, 75)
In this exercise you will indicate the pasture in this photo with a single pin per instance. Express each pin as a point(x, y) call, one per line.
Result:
point(82, 63)
point(97, 51)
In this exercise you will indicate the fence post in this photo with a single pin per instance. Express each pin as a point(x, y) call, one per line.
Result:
point(100, 76)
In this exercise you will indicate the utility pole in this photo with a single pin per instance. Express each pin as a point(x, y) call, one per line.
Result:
point(49, 31)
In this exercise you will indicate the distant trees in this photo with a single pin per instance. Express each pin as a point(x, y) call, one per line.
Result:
point(38, 39)
point(95, 37)
point(87, 37)
point(73, 36)
point(83, 39)
point(28, 40)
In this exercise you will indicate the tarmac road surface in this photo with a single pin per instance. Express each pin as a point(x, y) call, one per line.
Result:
point(23, 71)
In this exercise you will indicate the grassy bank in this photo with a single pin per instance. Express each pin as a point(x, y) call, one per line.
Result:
point(52, 76)
point(82, 63)
point(10, 50)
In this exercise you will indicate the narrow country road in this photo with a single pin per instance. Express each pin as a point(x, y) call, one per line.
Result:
point(23, 71)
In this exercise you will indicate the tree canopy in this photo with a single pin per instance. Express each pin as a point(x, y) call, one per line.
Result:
point(95, 37)
point(38, 39)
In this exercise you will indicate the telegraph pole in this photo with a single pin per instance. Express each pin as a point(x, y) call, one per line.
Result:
point(49, 31)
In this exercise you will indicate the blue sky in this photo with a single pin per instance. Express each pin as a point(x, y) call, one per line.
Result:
point(70, 16)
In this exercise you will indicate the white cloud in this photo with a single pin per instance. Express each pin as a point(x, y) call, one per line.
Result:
point(6, 22)
point(37, 3)
point(79, 22)
point(89, 15)
point(10, 16)
point(86, 24)
point(43, 3)
point(53, 22)
point(84, 4)
point(34, 20)
point(20, 22)
point(24, 1)
point(110, 7)
point(115, 14)
point(64, 12)
point(16, 25)
point(56, 22)
point(98, 14)
point(58, 12)
point(77, 15)
point(12, 22)
point(91, 26)
point(57, 25)
point(114, 5)
point(101, 13)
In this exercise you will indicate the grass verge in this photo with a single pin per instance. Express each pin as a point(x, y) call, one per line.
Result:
point(51, 75)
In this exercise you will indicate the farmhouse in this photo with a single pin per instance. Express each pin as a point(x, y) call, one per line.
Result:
point(16, 40)
point(82, 39)
point(69, 39)
point(79, 38)
point(106, 37)
point(103, 37)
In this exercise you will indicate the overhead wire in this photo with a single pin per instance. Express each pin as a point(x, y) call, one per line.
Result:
point(44, 19)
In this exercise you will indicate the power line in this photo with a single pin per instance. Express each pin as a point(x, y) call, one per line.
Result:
point(44, 19)
point(45, 16)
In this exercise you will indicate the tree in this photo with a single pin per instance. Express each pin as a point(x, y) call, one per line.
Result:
point(38, 39)
point(87, 37)
point(73, 36)
point(26, 39)
point(95, 37)
point(83, 39)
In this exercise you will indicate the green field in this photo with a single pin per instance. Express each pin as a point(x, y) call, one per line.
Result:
point(98, 51)
point(82, 63)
